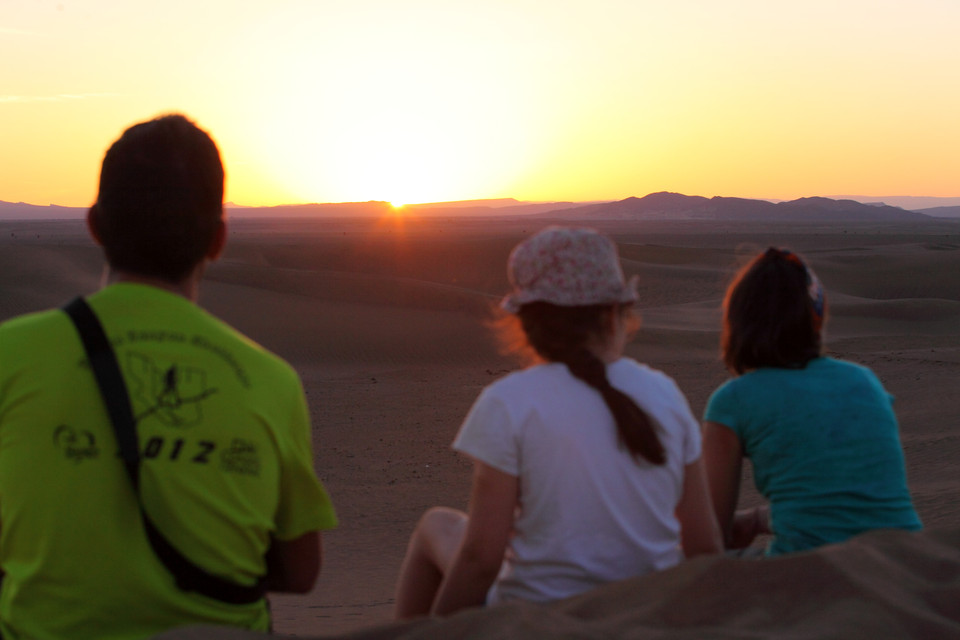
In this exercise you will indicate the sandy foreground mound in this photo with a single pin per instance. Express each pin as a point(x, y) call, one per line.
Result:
point(887, 584)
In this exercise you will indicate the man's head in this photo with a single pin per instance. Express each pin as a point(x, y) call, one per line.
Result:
point(159, 211)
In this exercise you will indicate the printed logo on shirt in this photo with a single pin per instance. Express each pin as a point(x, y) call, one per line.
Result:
point(173, 394)
point(240, 457)
point(77, 445)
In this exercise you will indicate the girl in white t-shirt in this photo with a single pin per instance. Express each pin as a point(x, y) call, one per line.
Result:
point(586, 465)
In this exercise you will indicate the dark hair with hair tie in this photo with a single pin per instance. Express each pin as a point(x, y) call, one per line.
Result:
point(561, 334)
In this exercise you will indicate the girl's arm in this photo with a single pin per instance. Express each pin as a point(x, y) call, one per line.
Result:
point(723, 455)
point(492, 503)
point(747, 525)
point(699, 533)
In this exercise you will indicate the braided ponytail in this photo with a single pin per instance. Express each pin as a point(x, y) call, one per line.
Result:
point(561, 334)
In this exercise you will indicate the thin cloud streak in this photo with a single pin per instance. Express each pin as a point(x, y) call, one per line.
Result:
point(9, 31)
point(62, 97)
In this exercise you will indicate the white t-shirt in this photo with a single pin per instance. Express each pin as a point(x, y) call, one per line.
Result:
point(589, 512)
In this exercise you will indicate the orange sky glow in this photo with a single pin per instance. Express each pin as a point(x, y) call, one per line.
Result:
point(434, 100)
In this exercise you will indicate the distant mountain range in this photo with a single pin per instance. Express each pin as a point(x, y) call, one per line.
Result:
point(910, 203)
point(676, 206)
point(655, 206)
point(942, 212)
point(24, 211)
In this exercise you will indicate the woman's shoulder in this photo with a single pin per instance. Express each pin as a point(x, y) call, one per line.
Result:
point(756, 381)
point(818, 372)
point(517, 393)
point(627, 372)
point(523, 381)
point(629, 366)
point(853, 372)
point(841, 365)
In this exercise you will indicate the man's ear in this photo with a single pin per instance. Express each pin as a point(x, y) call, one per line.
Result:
point(219, 241)
point(93, 223)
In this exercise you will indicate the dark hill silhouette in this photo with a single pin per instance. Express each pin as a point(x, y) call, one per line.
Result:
point(371, 209)
point(941, 212)
point(377, 209)
point(484, 208)
point(827, 209)
point(492, 203)
point(676, 206)
point(24, 211)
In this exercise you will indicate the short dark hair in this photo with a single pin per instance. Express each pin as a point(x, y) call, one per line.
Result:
point(769, 317)
point(160, 199)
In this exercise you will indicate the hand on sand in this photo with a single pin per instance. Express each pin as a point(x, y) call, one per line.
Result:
point(747, 525)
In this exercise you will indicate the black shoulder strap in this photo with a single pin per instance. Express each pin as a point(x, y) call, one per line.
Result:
point(105, 368)
point(103, 362)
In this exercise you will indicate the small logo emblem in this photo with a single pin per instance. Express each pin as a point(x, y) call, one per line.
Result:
point(173, 394)
point(77, 445)
point(240, 457)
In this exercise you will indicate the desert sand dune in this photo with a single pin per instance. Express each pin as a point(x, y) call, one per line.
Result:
point(36, 276)
point(915, 270)
point(886, 585)
point(387, 323)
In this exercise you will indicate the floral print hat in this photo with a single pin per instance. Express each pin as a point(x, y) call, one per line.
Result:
point(569, 267)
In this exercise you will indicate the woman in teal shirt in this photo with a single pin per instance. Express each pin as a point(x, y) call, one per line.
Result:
point(821, 433)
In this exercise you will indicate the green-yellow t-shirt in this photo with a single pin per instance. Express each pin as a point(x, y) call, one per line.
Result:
point(227, 465)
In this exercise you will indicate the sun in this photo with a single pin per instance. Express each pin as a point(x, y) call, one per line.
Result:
point(405, 128)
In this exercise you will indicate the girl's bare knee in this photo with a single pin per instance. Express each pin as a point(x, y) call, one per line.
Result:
point(440, 531)
point(443, 520)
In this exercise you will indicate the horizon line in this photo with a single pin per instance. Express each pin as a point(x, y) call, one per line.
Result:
point(481, 202)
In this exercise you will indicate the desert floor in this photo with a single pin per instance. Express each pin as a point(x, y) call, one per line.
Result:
point(388, 324)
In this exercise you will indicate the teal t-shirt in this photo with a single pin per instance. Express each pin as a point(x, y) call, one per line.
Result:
point(825, 448)
point(227, 466)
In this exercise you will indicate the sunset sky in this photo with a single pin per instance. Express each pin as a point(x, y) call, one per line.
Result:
point(432, 100)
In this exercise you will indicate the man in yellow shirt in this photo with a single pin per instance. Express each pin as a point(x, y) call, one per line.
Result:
point(226, 471)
